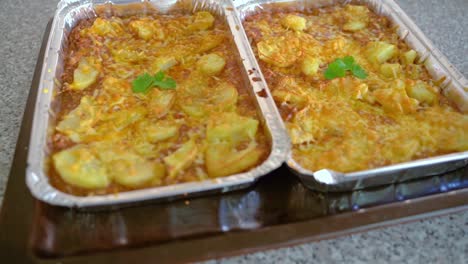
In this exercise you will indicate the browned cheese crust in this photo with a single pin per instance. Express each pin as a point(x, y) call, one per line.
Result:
point(110, 139)
point(347, 124)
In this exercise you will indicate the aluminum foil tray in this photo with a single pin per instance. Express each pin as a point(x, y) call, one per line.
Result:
point(68, 13)
point(455, 87)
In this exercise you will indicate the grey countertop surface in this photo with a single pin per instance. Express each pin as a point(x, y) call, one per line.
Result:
point(436, 240)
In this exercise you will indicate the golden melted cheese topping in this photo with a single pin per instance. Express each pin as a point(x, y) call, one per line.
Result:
point(110, 139)
point(348, 124)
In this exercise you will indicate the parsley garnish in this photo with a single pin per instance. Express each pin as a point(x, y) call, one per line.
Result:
point(144, 82)
point(339, 67)
point(163, 82)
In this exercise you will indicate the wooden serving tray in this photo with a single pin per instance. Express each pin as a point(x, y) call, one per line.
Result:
point(277, 211)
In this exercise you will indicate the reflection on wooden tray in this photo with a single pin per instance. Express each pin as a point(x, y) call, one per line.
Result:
point(276, 199)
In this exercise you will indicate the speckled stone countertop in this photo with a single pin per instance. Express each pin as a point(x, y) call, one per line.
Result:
point(436, 240)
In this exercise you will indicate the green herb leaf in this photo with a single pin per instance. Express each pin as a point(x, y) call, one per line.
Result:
point(358, 71)
point(335, 69)
point(164, 82)
point(349, 61)
point(142, 83)
point(159, 76)
point(339, 67)
point(167, 84)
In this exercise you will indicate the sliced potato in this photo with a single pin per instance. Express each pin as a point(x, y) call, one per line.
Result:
point(142, 29)
point(348, 87)
point(230, 127)
point(159, 172)
point(283, 96)
point(307, 125)
point(130, 170)
point(380, 52)
point(192, 98)
point(200, 101)
point(78, 166)
point(79, 121)
point(195, 109)
point(203, 20)
point(125, 166)
point(354, 26)
point(421, 92)
point(310, 66)
point(181, 158)
point(119, 120)
point(395, 100)
point(298, 135)
point(85, 74)
point(222, 160)
point(145, 149)
point(224, 96)
point(197, 43)
point(160, 131)
point(356, 16)
point(146, 29)
point(211, 64)
point(409, 57)
point(340, 47)
point(208, 42)
point(163, 63)
point(128, 55)
point(358, 12)
point(279, 51)
point(294, 22)
point(106, 27)
point(390, 70)
point(161, 102)
point(289, 91)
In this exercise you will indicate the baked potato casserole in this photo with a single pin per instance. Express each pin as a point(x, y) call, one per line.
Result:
point(352, 94)
point(149, 101)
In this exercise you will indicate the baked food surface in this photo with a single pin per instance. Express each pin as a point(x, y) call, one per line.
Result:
point(385, 111)
point(193, 121)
